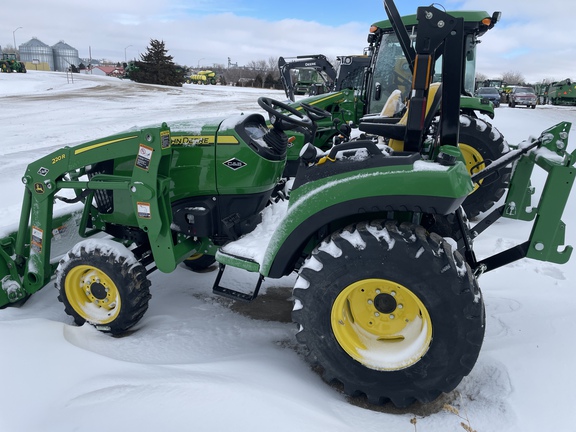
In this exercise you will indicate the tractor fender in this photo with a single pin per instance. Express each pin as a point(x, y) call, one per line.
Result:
point(470, 104)
point(324, 205)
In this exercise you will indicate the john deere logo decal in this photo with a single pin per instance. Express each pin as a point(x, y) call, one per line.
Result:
point(234, 164)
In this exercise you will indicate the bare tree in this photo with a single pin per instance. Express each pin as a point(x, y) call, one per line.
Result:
point(257, 65)
point(480, 77)
point(513, 78)
point(8, 49)
point(547, 81)
point(273, 67)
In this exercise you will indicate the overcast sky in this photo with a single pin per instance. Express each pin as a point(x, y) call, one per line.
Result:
point(534, 38)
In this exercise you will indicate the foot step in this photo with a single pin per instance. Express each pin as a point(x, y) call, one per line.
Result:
point(233, 294)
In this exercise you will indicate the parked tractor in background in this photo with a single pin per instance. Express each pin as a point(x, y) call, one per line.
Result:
point(306, 75)
point(348, 74)
point(9, 63)
point(558, 93)
point(354, 224)
point(203, 77)
point(498, 83)
point(391, 64)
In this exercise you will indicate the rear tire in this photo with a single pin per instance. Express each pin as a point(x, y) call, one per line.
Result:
point(481, 144)
point(448, 226)
point(382, 329)
point(103, 285)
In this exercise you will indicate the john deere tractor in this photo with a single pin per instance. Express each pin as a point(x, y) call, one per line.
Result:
point(383, 303)
point(9, 63)
point(366, 90)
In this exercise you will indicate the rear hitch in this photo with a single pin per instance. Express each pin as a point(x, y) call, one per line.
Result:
point(546, 241)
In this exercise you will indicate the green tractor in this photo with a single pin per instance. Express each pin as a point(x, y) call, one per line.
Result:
point(562, 92)
point(9, 63)
point(391, 69)
point(350, 69)
point(354, 224)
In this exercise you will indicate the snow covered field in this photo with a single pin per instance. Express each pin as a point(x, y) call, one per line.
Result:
point(194, 363)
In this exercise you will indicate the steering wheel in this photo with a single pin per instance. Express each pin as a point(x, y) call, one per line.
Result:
point(283, 121)
point(314, 112)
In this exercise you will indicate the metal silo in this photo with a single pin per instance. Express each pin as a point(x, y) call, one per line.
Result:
point(65, 56)
point(37, 52)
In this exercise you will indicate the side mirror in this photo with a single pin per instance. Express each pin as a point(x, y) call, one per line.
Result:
point(496, 16)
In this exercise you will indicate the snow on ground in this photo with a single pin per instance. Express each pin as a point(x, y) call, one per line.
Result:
point(195, 363)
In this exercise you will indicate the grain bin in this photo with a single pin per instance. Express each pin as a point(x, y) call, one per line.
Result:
point(64, 56)
point(38, 53)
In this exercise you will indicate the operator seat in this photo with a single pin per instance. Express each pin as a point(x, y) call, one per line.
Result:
point(395, 131)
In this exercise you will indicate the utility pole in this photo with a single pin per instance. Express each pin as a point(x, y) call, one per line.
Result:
point(14, 37)
point(125, 53)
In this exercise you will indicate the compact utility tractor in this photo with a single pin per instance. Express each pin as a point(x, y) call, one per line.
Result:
point(9, 63)
point(313, 74)
point(366, 89)
point(383, 303)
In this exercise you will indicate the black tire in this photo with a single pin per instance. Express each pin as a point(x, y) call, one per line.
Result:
point(481, 144)
point(448, 226)
point(103, 285)
point(364, 278)
point(199, 262)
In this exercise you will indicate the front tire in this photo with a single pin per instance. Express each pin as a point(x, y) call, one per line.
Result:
point(199, 262)
point(103, 284)
point(481, 144)
point(382, 329)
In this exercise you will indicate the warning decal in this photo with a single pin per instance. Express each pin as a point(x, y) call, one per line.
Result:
point(144, 210)
point(144, 157)
point(165, 139)
point(37, 239)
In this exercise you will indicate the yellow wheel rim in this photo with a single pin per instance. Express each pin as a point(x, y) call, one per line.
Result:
point(195, 256)
point(474, 161)
point(92, 294)
point(381, 324)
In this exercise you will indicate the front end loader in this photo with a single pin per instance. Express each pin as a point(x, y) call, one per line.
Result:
point(383, 302)
point(313, 74)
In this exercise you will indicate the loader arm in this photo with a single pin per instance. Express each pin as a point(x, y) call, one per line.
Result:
point(317, 62)
point(67, 170)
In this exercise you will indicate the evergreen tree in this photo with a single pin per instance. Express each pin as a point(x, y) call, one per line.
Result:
point(156, 67)
point(269, 81)
point(258, 81)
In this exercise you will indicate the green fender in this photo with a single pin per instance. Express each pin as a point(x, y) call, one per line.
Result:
point(419, 186)
point(468, 103)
